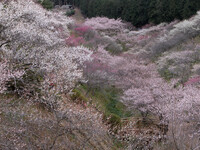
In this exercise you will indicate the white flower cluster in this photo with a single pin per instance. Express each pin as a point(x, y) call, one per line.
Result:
point(103, 23)
point(189, 27)
point(37, 37)
point(186, 25)
point(65, 64)
point(30, 21)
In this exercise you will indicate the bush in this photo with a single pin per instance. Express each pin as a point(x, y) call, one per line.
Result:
point(70, 13)
point(28, 85)
point(114, 48)
point(166, 74)
point(47, 4)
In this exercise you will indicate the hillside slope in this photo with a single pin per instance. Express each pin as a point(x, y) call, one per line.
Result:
point(75, 84)
point(38, 71)
point(157, 69)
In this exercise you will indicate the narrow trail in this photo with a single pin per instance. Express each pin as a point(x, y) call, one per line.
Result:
point(78, 17)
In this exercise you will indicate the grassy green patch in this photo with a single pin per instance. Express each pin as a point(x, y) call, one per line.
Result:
point(106, 100)
point(78, 96)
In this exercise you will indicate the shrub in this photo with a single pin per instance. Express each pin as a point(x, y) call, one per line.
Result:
point(28, 85)
point(70, 12)
point(47, 4)
point(114, 48)
point(166, 74)
point(7, 73)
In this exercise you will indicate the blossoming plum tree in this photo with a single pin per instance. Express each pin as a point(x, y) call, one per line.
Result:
point(37, 37)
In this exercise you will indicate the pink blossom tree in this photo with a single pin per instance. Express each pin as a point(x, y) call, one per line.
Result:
point(74, 41)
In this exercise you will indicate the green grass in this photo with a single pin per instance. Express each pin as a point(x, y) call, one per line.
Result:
point(106, 100)
point(78, 96)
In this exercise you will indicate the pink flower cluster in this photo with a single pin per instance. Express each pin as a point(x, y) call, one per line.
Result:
point(192, 81)
point(81, 30)
point(75, 41)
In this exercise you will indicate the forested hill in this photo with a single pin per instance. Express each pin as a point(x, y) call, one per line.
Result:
point(138, 12)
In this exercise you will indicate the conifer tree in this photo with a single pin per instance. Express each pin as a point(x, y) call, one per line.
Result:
point(138, 12)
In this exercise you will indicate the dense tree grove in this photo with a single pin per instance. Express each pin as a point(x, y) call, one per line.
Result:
point(138, 12)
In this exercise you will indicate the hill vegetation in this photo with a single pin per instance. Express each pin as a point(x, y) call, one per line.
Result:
point(96, 83)
point(138, 12)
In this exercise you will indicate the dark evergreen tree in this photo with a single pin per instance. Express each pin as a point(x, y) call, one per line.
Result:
point(138, 12)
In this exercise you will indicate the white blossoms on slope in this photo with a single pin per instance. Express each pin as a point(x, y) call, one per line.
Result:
point(103, 23)
point(37, 37)
point(191, 26)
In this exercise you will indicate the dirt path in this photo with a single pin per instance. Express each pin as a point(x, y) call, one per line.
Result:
point(78, 17)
